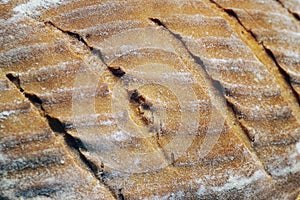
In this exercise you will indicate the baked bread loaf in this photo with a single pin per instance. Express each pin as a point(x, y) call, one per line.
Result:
point(110, 99)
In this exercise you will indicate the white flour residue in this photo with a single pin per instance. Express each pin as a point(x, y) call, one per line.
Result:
point(120, 136)
point(234, 182)
point(3, 158)
point(33, 7)
point(287, 170)
point(240, 182)
point(298, 147)
point(4, 1)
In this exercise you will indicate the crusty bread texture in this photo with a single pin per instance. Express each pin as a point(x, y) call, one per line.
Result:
point(158, 99)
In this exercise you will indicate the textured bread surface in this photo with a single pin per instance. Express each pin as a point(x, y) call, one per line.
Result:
point(155, 99)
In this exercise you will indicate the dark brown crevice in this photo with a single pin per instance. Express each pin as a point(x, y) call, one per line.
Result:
point(179, 38)
point(216, 84)
point(157, 22)
point(219, 89)
point(97, 53)
point(232, 14)
point(146, 106)
point(237, 122)
point(36, 101)
point(286, 77)
point(118, 72)
point(297, 17)
point(76, 143)
point(15, 80)
point(120, 195)
point(72, 34)
point(58, 127)
point(252, 141)
point(93, 50)
point(55, 124)
point(78, 37)
point(136, 97)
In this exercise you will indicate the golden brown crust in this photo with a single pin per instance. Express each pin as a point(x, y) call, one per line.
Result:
point(275, 28)
point(34, 162)
point(167, 99)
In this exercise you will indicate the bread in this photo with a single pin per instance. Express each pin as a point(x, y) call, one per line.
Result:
point(148, 100)
point(35, 162)
point(275, 29)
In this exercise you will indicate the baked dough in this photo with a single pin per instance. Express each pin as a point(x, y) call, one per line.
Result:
point(148, 100)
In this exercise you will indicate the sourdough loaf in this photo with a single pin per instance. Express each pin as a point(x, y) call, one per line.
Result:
point(149, 100)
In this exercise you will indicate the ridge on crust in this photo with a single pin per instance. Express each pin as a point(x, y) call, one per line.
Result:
point(149, 92)
point(33, 161)
point(275, 29)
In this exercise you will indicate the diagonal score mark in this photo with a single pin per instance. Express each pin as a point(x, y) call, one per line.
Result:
point(189, 121)
point(105, 146)
point(289, 9)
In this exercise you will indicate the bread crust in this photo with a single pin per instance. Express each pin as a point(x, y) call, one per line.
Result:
point(162, 100)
